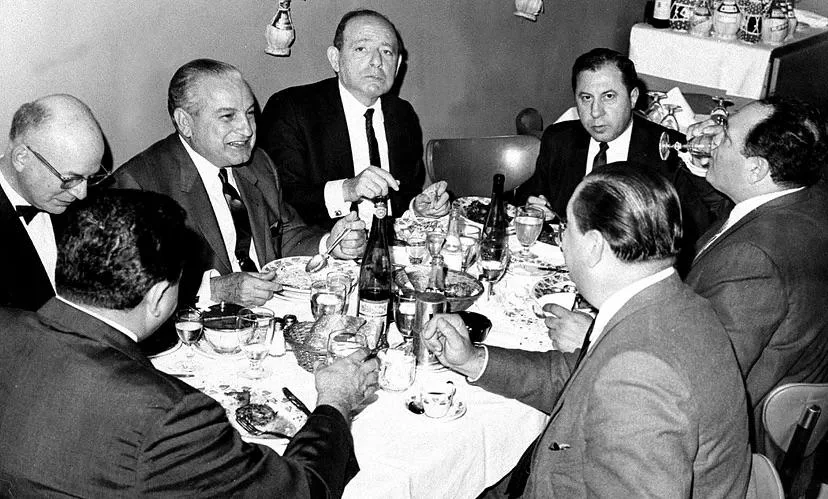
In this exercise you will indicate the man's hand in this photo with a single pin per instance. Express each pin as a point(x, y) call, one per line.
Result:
point(706, 127)
point(565, 324)
point(448, 338)
point(541, 203)
point(373, 182)
point(249, 289)
point(353, 245)
point(433, 201)
point(349, 384)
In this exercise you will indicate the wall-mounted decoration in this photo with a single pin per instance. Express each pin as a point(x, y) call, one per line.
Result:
point(528, 9)
point(279, 32)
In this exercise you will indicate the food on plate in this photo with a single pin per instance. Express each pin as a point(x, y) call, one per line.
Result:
point(290, 271)
point(477, 209)
point(460, 290)
point(264, 417)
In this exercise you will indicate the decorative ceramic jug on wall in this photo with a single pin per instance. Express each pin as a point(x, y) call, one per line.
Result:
point(279, 32)
point(528, 9)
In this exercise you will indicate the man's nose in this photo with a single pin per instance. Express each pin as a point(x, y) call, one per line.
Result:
point(597, 108)
point(80, 190)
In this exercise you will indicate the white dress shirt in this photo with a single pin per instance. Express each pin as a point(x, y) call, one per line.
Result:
point(129, 334)
point(617, 150)
point(40, 231)
point(355, 119)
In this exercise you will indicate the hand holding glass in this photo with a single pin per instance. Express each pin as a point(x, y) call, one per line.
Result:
point(188, 325)
point(700, 146)
point(528, 225)
point(342, 344)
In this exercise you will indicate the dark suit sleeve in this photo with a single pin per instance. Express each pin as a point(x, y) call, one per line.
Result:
point(745, 287)
point(540, 180)
point(534, 378)
point(283, 138)
point(192, 450)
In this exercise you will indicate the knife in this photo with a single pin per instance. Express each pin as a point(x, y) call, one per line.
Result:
point(295, 401)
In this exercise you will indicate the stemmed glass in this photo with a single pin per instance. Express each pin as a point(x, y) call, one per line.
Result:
point(493, 260)
point(469, 242)
point(253, 331)
point(528, 226)
point(188, 325)
point(655, 112)
point(670, 120)
point(701, 146)
point(434, 243)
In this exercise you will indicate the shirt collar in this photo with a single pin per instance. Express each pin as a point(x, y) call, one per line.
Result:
point(620, 142)
point(744, 207)
point(354, 108)
point(101, 318)
point(206, 170)
point(620, 298)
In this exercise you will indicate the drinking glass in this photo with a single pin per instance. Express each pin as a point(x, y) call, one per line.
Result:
point(327, 299)
point(434, 243)
point(655, 112)
point(701, 146)
point(559, 232)
point(528, 225)
point(342, 344)
point(398, 368)
point(188, 325)
point(404, 307)
point(345, 280)
point(254, 331)
point(493, 260)
point(416, 248)
point(469, 242)
point(670, 120)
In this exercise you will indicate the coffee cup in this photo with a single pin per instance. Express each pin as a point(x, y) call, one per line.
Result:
point(437, 397)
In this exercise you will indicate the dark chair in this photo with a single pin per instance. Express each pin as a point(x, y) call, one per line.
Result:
point(469, 164)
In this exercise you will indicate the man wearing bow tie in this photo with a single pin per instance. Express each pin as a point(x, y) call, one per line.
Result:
point(54, 153)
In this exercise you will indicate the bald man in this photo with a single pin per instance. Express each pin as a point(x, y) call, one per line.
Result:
point(53, 154)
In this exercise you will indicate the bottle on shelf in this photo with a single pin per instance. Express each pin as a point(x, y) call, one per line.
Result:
point(452, 251)
point(375, 278)
point(661, 14)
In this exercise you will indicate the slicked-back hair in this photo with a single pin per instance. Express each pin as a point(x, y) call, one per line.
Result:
point(636, 209)
point(597, 58)
point(117, 245)
point(339, 34)
point(793, 141)
point(180, 93)
point(28, 117)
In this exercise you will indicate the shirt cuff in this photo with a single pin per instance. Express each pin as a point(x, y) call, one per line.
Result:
point(485, 365)
point(205, 299)
point(334, 200)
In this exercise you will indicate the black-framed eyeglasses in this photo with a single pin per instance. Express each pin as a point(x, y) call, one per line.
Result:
point(68, 182)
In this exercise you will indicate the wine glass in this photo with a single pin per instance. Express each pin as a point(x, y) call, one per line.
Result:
point(670, 120)
point(701, 146)
point(528, 225)
point(254, 332)
point(493, 260)
point(434, 243)
point(469, 243)
point(188, 325)
point(416, 248)
point(327, 298)
point(655, 111)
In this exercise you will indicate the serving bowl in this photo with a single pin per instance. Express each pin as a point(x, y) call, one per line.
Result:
point(222, 334)
point(461, 288)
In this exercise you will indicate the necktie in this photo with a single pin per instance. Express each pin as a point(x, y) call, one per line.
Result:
point(240, 220)
point(27, 212)
point(520, 475)
point(600, 158)
point(373, 145)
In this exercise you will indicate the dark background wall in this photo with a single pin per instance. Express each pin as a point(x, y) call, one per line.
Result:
point(471, 65)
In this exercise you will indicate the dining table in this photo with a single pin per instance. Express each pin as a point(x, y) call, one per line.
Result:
point(401, 454)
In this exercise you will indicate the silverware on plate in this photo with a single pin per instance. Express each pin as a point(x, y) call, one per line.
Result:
point(249, 428)
point(295, 401)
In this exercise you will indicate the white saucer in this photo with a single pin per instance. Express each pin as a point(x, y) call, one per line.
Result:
point(456, 411)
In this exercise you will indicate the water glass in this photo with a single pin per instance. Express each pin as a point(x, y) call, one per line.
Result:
point(327, 299)
point(528, 225)
point(255, 332)
point(342, 344)
point(416, 248)
point(188, 325)
point(469, 242)
point(434, 243)
point(345, 280)
point(398, 368)
point(404, 310)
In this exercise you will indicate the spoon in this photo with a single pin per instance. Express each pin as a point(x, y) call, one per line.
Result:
point(320, 260)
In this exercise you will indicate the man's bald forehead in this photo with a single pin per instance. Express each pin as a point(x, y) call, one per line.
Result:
point(57, 111)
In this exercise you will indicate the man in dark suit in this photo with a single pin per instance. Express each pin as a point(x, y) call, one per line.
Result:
point(84, 412)
point(320, 135)
point(653, 404)
point(764, 269)
point(34, 190)
point(605, 84)
point(228, 187)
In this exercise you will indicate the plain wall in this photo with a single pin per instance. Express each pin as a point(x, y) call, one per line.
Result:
point(471, 64)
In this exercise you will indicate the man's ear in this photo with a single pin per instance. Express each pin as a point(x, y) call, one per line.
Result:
point(758, 169)
point(154, 299)
point(18, 156)
point(184, 122)
point(333, 58)
point(594, 246)
point(633, 97)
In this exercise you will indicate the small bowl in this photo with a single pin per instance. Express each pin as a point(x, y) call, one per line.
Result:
point(477, 324)
point(222, 334)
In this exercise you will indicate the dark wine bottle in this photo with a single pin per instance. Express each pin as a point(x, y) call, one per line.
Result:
point(375, 278)
point(494, 241)
point(788, 464)
point(661, 14)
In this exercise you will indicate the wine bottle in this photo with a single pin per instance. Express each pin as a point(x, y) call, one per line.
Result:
point(661, 14)
point(494, 241)
point(375, 278)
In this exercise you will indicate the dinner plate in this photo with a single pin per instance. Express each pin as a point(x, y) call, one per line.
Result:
point(545, 259)
point(235, 394)
point(410, 223)
point(473, 210)
point(296, 282)
point(556, 282)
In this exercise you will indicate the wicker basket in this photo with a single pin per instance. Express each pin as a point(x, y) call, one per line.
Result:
point(307, 357)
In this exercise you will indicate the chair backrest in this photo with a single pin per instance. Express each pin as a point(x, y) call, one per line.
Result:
point(764, 480)
point(784, 406)
point(468, 164)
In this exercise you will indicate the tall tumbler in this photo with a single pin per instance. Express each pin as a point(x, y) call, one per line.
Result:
point(427, 305)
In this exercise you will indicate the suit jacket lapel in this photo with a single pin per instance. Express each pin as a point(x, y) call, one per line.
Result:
point(201, 210)
point(253, 199)
point(335, 138)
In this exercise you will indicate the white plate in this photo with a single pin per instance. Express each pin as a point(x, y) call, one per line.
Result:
point(556, 282)
point(544, 256)
point(166, 352)
point(290, 273)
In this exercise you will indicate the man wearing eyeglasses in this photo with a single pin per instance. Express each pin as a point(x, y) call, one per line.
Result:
point(53, 155)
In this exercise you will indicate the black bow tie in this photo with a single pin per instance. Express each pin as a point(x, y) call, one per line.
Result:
point(27, 212)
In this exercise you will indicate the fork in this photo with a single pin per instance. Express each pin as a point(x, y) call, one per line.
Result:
point(249, 428)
